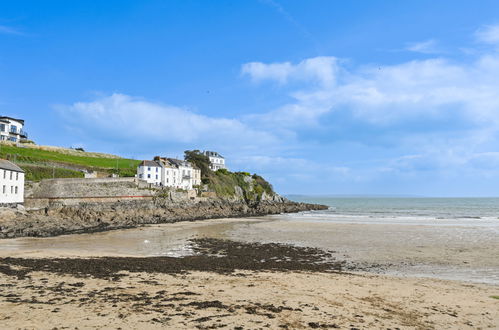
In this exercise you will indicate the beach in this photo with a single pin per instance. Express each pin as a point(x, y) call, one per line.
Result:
point(246, 300)
point(304, 270)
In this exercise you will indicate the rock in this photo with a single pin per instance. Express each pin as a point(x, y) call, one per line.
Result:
point(60, 219)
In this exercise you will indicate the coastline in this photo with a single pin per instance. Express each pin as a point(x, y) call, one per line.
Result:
point(57, 219)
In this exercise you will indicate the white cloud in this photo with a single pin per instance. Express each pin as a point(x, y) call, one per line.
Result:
point(130, 118)
point(390, 93)
point(424, 47)
point(321, 70)
point(488, 34)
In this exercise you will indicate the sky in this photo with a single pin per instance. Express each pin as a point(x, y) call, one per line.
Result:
point(319, 97)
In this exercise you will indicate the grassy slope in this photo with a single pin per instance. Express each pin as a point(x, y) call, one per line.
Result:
point(39, 164)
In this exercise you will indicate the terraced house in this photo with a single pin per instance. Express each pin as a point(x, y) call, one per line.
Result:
point(169, 172)
point(11, 183)
point(12, 129)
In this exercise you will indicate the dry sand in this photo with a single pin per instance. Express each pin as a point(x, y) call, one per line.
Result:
point(246, 300)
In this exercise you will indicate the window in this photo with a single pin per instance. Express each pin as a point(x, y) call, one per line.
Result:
point(2, 127)
point(149, 176)
point(17, 176)
point(13, 128)
point(15, 190)
point(157, 170)
point(149, 169)
point(4, 188)
point(156, 177)
point(140, 176)
point(11, 189)
point(11, 174)
point(5, 174)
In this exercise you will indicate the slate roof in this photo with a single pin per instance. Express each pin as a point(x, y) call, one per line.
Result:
point(213, 154)
point(6, 165)
point(150, 163)
point(178, 162)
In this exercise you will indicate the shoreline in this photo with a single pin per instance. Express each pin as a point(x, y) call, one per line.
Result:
point(56, 220)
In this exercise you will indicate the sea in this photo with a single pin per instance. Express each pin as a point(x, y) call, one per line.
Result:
point(404, 210)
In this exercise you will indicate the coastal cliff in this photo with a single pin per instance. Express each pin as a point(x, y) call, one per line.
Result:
point(58, 219)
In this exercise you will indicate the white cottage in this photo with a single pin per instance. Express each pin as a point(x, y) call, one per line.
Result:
point(217, 161)
point(11, 183)
point(150, 171)
point(12, 129)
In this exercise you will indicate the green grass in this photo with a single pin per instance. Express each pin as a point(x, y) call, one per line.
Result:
point(36, 156)
point(494, 297)
point(37, 173)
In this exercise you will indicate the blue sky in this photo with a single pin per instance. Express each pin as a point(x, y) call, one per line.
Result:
point(320, 97)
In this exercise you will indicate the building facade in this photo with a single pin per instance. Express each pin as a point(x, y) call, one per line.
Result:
point(12, 129)
point(217, 161)
point(169, 172)
point(11, 183)
point(150, 171)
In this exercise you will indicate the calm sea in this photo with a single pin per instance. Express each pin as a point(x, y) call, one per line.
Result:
point(435, 211)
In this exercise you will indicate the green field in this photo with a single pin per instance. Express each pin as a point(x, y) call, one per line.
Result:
point(41, 164)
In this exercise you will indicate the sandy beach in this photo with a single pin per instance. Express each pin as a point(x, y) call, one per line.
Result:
point(169, 276)
point(246, 300)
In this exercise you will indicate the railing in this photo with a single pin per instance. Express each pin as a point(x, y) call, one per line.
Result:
point(23, 133)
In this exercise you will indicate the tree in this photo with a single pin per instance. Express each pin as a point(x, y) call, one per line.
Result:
point(200, 161)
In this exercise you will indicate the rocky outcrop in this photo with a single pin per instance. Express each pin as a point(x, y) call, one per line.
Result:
point(90, 217)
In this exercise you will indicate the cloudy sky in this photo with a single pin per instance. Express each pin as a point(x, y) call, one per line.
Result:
point(320, 97)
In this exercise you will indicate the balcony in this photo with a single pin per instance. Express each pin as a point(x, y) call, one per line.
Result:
point(20, 132)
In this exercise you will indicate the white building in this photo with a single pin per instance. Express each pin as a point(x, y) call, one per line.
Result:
point(169, 172)
point(11, 129)
point(11, 183)
point(217, 161)
point(150, 171)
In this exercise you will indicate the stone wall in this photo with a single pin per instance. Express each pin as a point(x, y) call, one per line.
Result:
point(97, 190)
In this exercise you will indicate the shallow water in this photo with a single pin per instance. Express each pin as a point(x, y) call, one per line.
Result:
point(440, 238)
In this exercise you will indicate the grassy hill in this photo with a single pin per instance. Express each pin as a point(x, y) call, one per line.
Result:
point(41, 163)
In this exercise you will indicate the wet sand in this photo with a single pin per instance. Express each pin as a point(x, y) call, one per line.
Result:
point(467, 253)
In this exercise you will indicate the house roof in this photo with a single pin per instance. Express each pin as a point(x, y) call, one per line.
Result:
point(178, 162)
point(6, 165)
point(150, 163)
point(213, 154)
point(19, 120)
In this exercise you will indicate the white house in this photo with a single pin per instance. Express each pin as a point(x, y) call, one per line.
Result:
point(150, 171)
point(217, 161)
point(11, 183)
point(12, 129)
point(169, 172)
